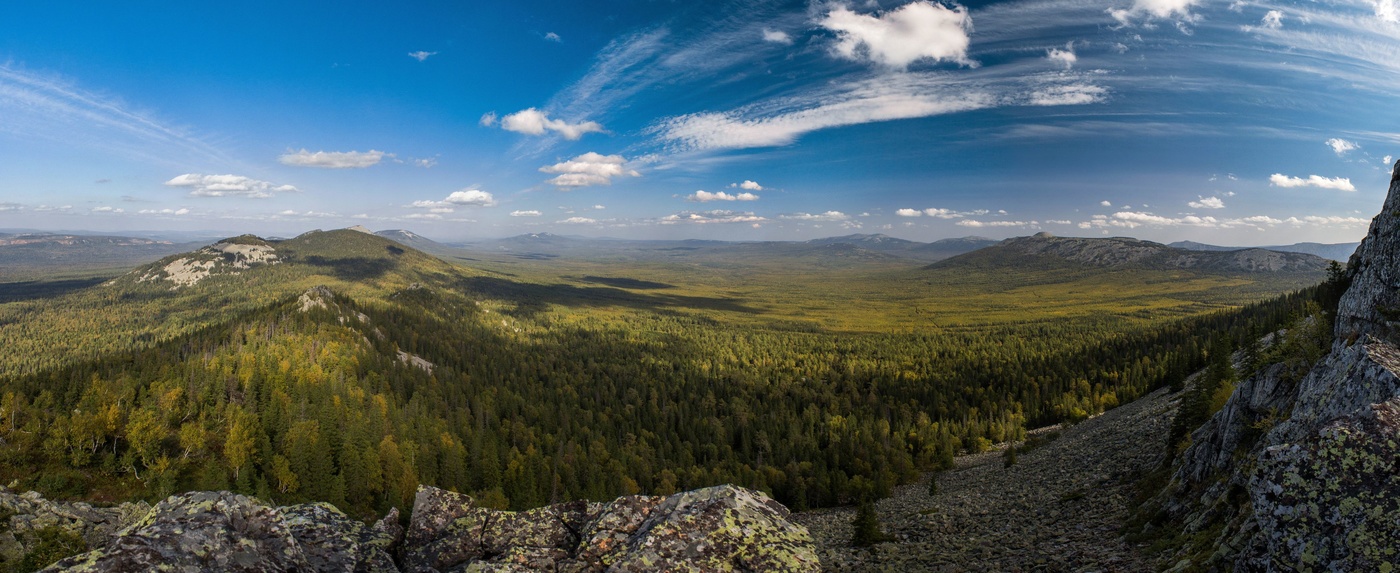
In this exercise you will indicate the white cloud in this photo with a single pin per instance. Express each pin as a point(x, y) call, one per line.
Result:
point(749, 185)
point(551, 36)
point(106, 209)
point(705, 197)
point(909, 213)
point(915, 31)
point(1386, 160)
point(424, 216)
point(979, 224)
point(475, 197)
point(710, 217)
point(425, 163)
point(782, 121)
point(11, 207)
point(1207, 203)
point(1387, 10)
point(1338, 183)
point(1106, 203)
point(1069, 94)
point(1341, 146)
point(1134, 219)
point(167, 211)
point(599, 207)
point(1063, 57)
point(530, 213)
point(1273, 20)
point(1059, 222)
point(1159, 9)
point(331, 159)
point(827, 216)
point(777, 37)
point(589, 169)
point(420, 55)
point(578, 221)
point(488, 119)
point(227, 186)
point(531, 121)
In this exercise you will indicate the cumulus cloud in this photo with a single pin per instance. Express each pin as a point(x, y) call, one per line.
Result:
point(331, 159)
point(909, 213)
point(106, 209)
point(979, 224)
point(1341, 146)
point(748, 185)
point(1387, 10)
point(530, 213)
point(578, 221)
point(474, 197)
point(1069, 94)
point(1338, 183)
point(827, 216)
point(531, 121)
point(1273, 19)
point(705, 197)
point(589, 169)
point(1155, 9)
point(1135, 219)
point(1207, 203)
point(420, 55)
point(488, 119)
point(1063, 57)
point(1106, 203)
point(710, 217)
point(916, 31)
point(551, 36)
point(777, 37)
point(227, 186)
point(180, 211)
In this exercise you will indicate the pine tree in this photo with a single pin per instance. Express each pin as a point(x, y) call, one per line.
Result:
point(865, 528)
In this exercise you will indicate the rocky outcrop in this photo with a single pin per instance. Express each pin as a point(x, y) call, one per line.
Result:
point(722, 528)
point(28, 521)
point(1303, 475)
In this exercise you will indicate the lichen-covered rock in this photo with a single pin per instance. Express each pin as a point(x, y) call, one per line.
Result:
point(222, 531)
point(24, 517)
point(1331, 503)
point(1318, 489)
point(202, 531)
point(723, 528)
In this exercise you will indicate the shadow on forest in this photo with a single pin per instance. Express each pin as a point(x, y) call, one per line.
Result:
point(352, 268)
point(624, 282)
point(532, 298)
point(29, 290)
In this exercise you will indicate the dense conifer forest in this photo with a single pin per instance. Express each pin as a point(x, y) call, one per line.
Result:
point(410, 370)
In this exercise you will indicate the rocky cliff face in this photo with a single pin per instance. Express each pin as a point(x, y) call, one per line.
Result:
point(1305, 475)
point(723, 528)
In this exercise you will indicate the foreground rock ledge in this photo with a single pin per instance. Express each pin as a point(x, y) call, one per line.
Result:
point(723, 528)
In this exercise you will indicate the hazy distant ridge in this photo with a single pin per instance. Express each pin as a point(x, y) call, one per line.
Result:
point(1334, 251)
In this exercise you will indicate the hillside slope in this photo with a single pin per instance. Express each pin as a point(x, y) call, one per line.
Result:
point(1301, 465)
point(1045, 250)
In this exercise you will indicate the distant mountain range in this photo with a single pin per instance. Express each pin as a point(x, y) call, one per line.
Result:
point(1334, 251)
point(20, 251)
point(1045, 249)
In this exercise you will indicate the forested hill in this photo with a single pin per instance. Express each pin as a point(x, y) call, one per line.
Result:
point(1045, 250)
point(345, 367)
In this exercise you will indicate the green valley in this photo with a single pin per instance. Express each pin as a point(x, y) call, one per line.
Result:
point(346, 367)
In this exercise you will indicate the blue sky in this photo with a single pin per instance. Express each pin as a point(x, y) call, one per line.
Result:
point(1226, 122)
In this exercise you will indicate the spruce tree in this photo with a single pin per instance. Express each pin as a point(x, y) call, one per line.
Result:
point(865, 528)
